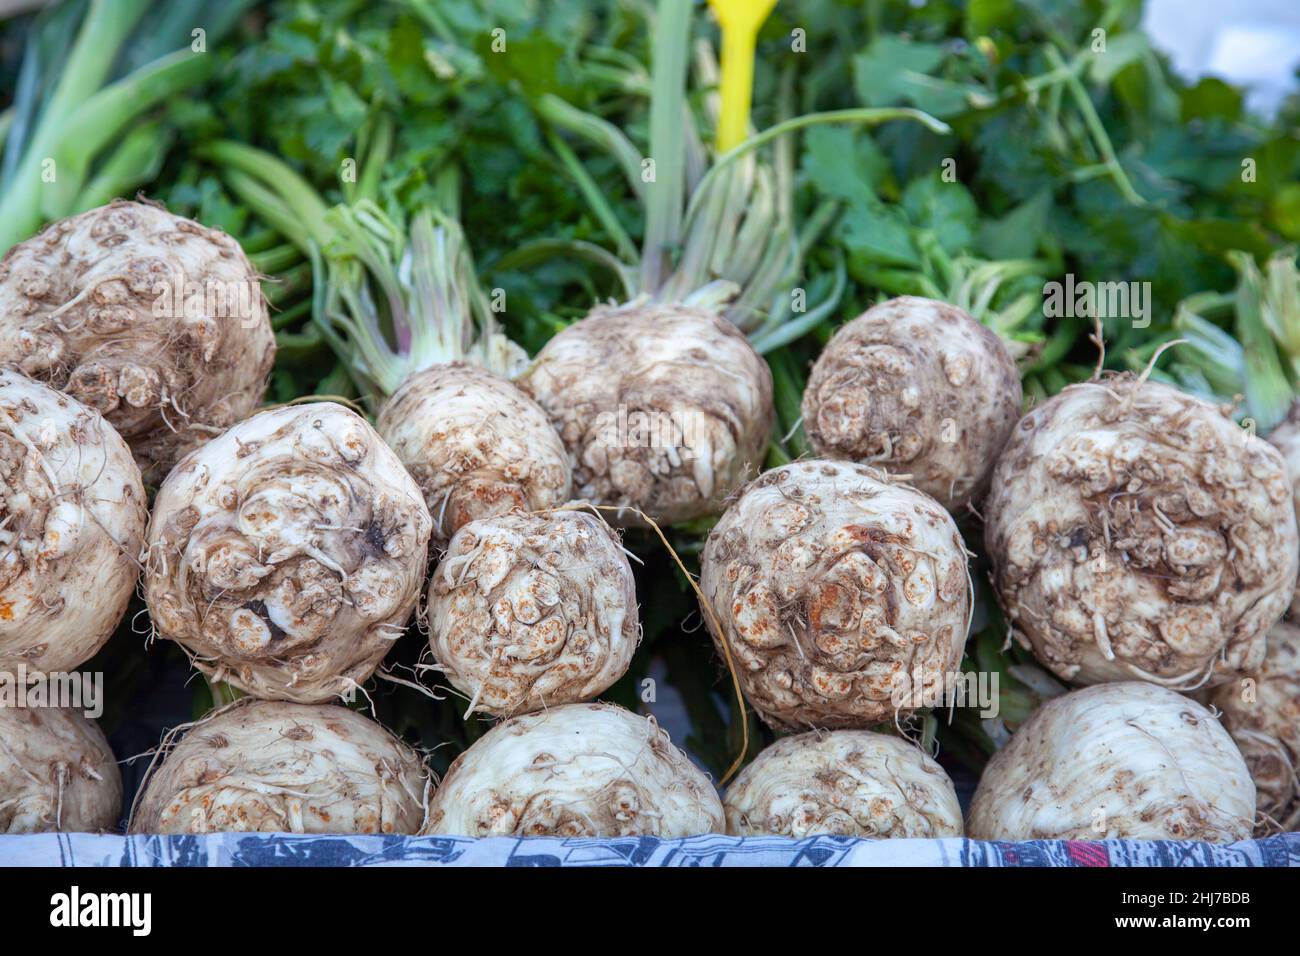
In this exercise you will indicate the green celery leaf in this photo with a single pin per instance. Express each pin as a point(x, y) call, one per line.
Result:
point(984, 16)
point(881, 71)
point(842, 163)
point(946, 209)
point(532, 62)
point(1211, 98)
point(1017, 234)
point(1121, 52)
point(892, 70)
point(1284, 211)
point(873, 233)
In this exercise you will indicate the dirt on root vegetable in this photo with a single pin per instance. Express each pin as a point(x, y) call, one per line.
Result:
point(56, 773)
point(71, 528)
point(1262, 712)
point(528, 611)
point(1286, 439)
point(846, 782)
point(664, 408)
point(842, 593)
point(278, 767)
point(287, 554)
point(576, 770)
point(1126, 760)
point(1136, 532)
point(157, 322)
point(919, 388)
point(475, 444)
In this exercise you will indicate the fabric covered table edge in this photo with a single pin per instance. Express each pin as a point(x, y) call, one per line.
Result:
point(282, 849)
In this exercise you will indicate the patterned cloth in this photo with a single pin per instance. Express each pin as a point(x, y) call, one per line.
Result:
point(276, 849)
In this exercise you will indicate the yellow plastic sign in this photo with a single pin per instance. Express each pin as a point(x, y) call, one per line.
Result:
point(740, 21)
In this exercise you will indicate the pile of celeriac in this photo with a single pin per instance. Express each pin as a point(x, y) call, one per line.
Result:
point(1143, 547)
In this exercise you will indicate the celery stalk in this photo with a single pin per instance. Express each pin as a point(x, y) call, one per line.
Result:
point(136, 161)
point(1267, 390)
point(102, 33)
point(667, 142)
point(101, 118)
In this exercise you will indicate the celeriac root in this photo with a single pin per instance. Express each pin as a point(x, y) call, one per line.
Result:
point(288, 554)
point(155, 321)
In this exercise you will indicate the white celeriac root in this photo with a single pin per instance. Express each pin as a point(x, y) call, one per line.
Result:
point(846, 782)
point(72, 522)
point(1127, 760)
point(288, 554)
point(532, 610)
point(1286, 439)
point(475, 444)
point(157, 322)
point(56, 773)
point(279, 767)
point(1136, 532)
point(1262, 712)
point(842, 594)
point(663, 408)
point(919, 388)
point(575, 770)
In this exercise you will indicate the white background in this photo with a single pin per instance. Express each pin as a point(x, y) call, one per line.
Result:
point(1252, 43)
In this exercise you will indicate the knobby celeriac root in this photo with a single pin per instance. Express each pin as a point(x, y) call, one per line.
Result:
point(279, 767)
point(842, 593)
point(475, 444)
point(919, 388)
point(56, 773)
point(288, 554)
point(1137, 532)
point(156, 321)
point(664, 408)
point(1262, 712)
point(1286, 438)
point(575, 770)
point(532, 610)
point(1126, 760)
point(846, 782)
point(72, 520)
